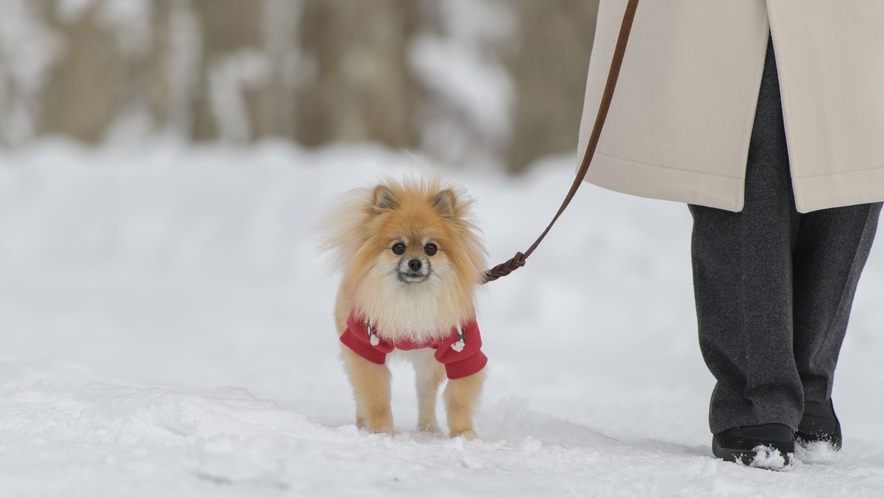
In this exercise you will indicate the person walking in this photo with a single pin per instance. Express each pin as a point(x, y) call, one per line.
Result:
point(766, 118)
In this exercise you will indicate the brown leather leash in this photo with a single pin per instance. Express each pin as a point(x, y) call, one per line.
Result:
point(518, 260)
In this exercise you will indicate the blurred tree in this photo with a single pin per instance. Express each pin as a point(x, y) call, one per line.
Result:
point(362, 88)
point(465, 81)
point(549, 68)
point(77, 101)
point(465, 114)
point(28, 49)
point(234, 70)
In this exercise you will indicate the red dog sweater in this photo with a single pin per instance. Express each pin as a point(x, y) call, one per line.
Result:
point(461, 354)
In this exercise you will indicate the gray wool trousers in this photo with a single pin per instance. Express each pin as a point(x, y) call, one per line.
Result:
point(774, 287)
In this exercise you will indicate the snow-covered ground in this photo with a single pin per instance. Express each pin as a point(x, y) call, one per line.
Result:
point(165, 330)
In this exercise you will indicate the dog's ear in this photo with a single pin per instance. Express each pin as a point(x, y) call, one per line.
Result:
point(445, 202)
point(384, 198)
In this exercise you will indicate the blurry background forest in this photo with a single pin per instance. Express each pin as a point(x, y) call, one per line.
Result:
point(465, 82)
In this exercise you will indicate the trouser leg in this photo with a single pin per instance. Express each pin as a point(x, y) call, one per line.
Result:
point(773, 287)
point(743, 283)
point(830, 253)
point(771, 324)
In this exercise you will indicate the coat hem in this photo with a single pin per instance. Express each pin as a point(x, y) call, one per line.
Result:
point(658, 182)
point(838, 190)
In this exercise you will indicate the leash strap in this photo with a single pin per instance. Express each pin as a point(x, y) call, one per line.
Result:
point(518, 260)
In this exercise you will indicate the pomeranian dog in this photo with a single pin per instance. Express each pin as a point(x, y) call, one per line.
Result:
point(411, 261)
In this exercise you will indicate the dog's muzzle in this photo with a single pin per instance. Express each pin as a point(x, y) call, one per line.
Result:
point(413, 270)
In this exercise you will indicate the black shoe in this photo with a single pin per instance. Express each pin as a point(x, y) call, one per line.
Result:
point(769, 446)
point(819, 424)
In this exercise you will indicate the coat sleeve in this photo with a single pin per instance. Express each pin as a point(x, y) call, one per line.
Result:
point(468, 361)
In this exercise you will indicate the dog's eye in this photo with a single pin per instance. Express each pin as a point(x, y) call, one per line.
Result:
point(398, 248)
point(430, 249)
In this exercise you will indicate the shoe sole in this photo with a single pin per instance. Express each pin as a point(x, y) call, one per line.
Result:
point(769, 457)
point(807, 439)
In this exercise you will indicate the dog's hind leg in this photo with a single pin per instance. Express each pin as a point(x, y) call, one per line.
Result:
point(429, 375)
point(461, 398)
point(371, 388)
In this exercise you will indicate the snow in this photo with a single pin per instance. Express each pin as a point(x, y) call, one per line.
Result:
point(166, 331)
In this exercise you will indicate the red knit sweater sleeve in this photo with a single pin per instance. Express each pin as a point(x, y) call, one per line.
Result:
point(356, 338)
point(468, 361)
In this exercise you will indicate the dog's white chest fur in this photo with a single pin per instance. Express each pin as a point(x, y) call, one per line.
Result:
point(418, 311)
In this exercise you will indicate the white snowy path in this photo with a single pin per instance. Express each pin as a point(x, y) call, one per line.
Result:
point(165, 331)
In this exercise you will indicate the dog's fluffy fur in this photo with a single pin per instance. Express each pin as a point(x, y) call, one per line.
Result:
point(404, 303)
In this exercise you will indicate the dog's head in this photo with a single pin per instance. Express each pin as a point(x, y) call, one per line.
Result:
point(410, 252)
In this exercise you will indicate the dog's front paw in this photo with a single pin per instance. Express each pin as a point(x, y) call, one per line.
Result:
point(384, 429)
point(469, 435)
point(429, 427)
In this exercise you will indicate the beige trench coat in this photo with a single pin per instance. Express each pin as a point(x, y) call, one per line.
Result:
point(682, 114)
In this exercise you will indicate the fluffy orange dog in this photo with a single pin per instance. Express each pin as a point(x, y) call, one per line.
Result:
point(411, 263)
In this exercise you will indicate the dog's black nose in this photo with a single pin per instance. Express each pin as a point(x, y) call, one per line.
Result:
point(415, 265)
